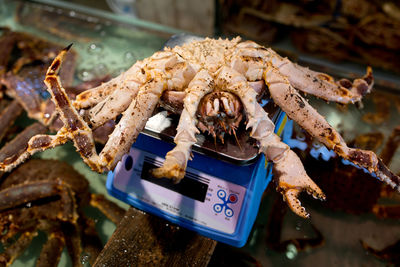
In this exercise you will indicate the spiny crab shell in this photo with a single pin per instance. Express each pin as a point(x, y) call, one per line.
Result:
point(223, 77)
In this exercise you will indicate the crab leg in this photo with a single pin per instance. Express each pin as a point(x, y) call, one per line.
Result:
point(52, 249)
point(298, 109)
point(72, 236)
point(109, 104)
point(74, 125)
point(250, 59)
point(91, 242)
point(17, 248)
point(28, 192)
point(134, 117)
point(322, 85)
point(176, 160)
point(132, 122)
point(95, 95)
point(110, 209)
point(389, 253)
point(16, 152)
point(292, 178)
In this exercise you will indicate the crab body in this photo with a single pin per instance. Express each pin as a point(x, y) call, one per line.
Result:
point(218, 82)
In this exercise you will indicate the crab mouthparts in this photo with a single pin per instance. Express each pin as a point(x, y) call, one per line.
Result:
point(219, 113)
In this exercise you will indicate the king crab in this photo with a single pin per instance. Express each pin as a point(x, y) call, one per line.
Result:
point(228, 73)
point(49, 196)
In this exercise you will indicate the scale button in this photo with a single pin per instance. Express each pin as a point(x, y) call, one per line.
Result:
point(217, 208)
point(128, 163)
point(233, 198)
point(228, 212)
point(221, 194)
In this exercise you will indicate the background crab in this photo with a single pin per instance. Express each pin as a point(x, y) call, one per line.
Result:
point(218, 82)
point(50, 196)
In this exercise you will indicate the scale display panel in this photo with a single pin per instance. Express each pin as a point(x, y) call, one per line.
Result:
point(201, 198)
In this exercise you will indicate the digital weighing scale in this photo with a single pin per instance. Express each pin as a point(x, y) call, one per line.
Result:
point(219, 196)
point(221, 192)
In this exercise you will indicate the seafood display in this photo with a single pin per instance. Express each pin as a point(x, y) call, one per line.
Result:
point(218, 82)
point(354, 225)
point(50, 196)
point(363, 31)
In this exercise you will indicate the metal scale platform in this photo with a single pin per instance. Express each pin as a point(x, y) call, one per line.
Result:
point(222, 189)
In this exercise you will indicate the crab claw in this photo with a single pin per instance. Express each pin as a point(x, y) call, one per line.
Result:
point(172, 169)
point(174, 166)
point(371, 162)
point(292, 180)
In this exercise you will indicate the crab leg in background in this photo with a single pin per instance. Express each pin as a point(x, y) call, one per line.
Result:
point(13, 149)
point(298, 109)
point(37, 143)
point(17, 248)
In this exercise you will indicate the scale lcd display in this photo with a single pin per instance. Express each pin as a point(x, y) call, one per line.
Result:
point(188, 187)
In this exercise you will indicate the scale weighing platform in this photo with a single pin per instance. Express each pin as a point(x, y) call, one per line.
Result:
point(221, 192)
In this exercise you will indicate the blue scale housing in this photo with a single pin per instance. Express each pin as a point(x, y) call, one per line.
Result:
point(217, 199)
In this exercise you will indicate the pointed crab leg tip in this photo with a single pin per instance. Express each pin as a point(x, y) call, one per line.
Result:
point(68, 47)
point(383, 173)
point(302, 213)
point(155, 172)
point(294, 203)
point(321, 196)
point(316, 192)
point(56, 64)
